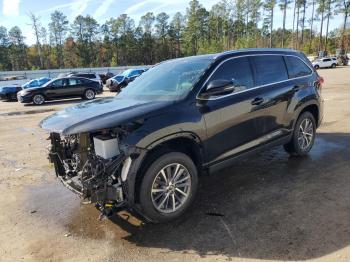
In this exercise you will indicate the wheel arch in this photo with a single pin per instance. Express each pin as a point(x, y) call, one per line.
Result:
point(187, 143)
point(313, 108)
point(40, 93)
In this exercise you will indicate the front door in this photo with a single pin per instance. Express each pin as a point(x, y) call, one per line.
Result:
point(57, 89)
point(230, 118)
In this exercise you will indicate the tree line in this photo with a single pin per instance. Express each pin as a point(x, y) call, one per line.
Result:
point(157, 37)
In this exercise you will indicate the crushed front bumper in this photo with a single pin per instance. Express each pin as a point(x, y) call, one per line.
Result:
point(109, 184)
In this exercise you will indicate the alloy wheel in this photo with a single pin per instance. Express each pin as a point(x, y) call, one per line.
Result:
point(38, 99)
point(171, 188)
point(89, 94)
point(306, 134)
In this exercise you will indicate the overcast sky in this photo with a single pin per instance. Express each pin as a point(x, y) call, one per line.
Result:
point(15, 12)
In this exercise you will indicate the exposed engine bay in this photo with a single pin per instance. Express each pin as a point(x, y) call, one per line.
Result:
point(90, 165)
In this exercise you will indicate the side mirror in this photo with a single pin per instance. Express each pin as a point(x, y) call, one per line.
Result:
point(219, 87)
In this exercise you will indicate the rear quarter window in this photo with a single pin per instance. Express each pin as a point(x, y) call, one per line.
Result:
point(296, 67)
point(269, 69)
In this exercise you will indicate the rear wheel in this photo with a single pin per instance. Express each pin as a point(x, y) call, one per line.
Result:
point(303, 135)
point(168, 187)
point(333, 65)
point(317, 66)
point(89, 94)
point(38, 99)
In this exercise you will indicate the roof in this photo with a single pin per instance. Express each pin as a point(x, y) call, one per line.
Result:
point(216, 56)
point(257, 50)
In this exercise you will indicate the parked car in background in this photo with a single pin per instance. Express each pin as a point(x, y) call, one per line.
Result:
point(92, 76)
point(116, 83)
point(146, 148)
point(60, 88)
point(325, 62)
point(104, 77)
point(335, 60)
point(10, 92)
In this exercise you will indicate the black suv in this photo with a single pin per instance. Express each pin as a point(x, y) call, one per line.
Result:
point(60, 88)
point(147, 147)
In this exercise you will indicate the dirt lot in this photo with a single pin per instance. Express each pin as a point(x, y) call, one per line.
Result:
point(271, 207)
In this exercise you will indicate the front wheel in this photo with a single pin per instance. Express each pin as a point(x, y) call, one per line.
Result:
point(333, 65)
point(316, 67)
point(38, 99)
point(168, 187)
point(89, 94)
point(303, 135)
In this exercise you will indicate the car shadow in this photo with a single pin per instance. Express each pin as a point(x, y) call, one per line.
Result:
point(60, 102)
point(271, 206)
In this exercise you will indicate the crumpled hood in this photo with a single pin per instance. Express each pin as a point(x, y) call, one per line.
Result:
point(99, 114)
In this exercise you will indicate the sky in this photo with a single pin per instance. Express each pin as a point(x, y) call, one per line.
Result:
point(15, 12)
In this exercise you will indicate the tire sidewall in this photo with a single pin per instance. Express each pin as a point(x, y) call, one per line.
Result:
point(37, 103)
point(147, 208)
point(297, 148)
point(85, 97)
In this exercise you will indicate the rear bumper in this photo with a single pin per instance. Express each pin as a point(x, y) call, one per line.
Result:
point(8, 96)
point(4, 96)
point(320, 117)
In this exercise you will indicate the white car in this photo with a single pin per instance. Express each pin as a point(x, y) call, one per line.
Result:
point(324, 63)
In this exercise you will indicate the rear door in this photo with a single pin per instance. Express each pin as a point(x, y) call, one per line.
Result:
point(275, 92)
point(75, 87)
point(327, 62)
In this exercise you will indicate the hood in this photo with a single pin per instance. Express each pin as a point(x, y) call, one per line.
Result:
point(34, 88)
point(99, 114)
point(9, 89)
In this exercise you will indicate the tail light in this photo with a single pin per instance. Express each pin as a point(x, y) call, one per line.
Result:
point(319, 82)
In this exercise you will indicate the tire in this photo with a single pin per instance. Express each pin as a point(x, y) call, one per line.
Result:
point(38, 99)
point(317, 67)
point(333, 65)
point(89, 94)
point(300, 145)
point(151, 203)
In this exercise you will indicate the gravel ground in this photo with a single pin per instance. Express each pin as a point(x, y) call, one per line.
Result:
point(270, 207)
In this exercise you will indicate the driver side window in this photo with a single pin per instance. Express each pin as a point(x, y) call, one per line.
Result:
point(58, 83)
point(238, 70)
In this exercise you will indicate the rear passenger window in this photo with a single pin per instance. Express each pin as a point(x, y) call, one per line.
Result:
point(269, 69)
point(74, 81)
point(296, 67)
point(238, 70)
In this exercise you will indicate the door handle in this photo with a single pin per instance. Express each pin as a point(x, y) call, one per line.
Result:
point(257, 101)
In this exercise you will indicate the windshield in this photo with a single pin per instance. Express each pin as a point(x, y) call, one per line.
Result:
point(126, 72)
point(49, 82)
point(169, 80)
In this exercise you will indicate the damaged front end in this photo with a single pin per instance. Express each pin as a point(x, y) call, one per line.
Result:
point(91, 165)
